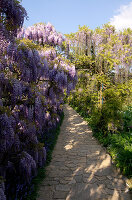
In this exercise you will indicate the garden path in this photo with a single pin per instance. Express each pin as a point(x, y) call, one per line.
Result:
point(81, 169)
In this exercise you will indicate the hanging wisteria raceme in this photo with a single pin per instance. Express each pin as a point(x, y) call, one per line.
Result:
point(42, 34)
point(48, 53)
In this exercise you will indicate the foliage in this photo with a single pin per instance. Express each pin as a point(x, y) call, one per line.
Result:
point(127, 119)
point(83, 61)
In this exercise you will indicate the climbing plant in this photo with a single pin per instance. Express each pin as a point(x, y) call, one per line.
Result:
point(33, 79)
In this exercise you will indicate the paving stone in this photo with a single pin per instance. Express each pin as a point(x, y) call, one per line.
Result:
point(70, 165)
point(68, 178)
point(77, 171)
point(72, 182)
point(46, 193)
point(64, 188)
point(89, 180)
point(60, 195)
point(56, 163)
point(80, 160)
point(51, 182)
point(63, 182)
point(118, 187)
point(78, 179)
point(103, 172)
point(109, 177)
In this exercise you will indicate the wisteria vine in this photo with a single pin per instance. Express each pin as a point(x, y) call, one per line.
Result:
point(33, 80)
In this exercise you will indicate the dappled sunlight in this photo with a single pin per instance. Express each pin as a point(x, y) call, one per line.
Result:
point(67, 147)
point(96, 190)
point(70, 144)
point(105, 163)
point(81, 133)
point(80, 124)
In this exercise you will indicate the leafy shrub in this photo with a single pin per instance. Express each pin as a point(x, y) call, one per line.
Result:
point(127, 119)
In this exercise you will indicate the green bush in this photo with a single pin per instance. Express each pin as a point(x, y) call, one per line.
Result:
point(127, 119)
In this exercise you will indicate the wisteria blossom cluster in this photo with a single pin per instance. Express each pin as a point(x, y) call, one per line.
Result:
point(12, 14)
point(11, 17)
point(32, 87)
point(48, 53)
point(42, 34)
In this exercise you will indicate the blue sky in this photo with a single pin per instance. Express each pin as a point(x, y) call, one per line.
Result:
point(66, 15)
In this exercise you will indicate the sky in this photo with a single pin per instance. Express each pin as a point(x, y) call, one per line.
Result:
point(67, 15)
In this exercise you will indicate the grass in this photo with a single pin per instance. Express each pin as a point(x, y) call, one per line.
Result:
point(36, 182)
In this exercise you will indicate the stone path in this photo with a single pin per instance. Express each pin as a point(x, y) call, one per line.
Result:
point(80, 168)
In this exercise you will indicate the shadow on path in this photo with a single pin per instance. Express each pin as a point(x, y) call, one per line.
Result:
point(80, 168)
